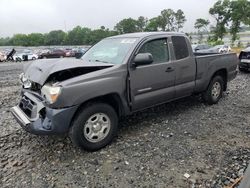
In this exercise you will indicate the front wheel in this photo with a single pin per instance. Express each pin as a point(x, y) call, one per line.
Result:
point(94, 126)
point(214, 91)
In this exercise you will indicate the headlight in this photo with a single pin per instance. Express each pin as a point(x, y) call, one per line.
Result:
point(25, 81)
point(51, 93)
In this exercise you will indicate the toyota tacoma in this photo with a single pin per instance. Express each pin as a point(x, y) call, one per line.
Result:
point(116, 77)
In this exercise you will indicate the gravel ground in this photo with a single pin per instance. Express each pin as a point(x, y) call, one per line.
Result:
point(154, 148)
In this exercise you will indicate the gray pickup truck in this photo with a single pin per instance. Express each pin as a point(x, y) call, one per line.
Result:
point(116, 77)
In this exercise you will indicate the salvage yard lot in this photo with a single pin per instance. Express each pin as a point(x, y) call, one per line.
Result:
point(154, 148)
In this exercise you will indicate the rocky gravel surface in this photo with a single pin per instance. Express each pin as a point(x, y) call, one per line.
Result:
point(181, 144)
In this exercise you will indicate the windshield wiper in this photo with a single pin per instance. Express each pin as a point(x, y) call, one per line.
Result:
point(97, 60)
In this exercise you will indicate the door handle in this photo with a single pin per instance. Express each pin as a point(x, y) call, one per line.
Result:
point(169, 69)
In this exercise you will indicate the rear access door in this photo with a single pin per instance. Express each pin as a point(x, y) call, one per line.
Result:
point(185, 67)
point(154, 83)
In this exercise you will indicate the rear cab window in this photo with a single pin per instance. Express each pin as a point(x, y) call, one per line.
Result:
point(180, 47)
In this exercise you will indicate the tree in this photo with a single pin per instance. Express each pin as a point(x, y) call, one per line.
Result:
point(221, 12)
point(126, 26)
point(5, 41)
point(179, 19)
point(19, 40)
point(55, 37)
point(35, 39)
point(153, 24)
point(169, 20)
point(141, 23)
point(240, 14)
point(201, 26)
point(77, 36)
point(166, 20)
point(99, 34)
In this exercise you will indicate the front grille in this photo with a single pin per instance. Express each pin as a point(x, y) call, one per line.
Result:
point(27, 106)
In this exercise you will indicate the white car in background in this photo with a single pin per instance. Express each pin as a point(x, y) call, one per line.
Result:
point(20, 57)
point(217, 49)
point(224, 49)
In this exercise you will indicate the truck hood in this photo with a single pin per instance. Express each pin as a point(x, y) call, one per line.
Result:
point(40, 71)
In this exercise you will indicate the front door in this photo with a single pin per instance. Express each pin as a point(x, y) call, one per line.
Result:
point(153, 84)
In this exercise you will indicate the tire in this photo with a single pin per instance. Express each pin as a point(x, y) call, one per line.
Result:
point(81, 131)
point(44, 57)
point(18, 59)
point(214, 91)
point(33, 58)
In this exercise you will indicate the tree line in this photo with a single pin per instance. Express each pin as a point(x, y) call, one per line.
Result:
point(229, 16)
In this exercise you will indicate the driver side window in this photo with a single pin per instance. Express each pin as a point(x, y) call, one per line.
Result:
point(158, 48)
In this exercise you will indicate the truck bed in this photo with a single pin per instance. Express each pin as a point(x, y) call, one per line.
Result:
point(207, 63)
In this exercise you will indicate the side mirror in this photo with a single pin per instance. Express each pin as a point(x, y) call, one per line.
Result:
point(143, 59)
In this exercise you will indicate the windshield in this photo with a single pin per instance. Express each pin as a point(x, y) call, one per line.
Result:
point(109, 50)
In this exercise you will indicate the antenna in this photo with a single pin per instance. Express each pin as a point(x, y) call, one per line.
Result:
point(65, 28)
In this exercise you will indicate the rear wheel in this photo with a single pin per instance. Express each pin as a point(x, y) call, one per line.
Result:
point(214, 91)
point(94, 126)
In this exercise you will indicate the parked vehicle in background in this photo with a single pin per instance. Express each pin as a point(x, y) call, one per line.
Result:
point(25, 56)
point(2, 57)
point(79, 52)
point(18, 57)
point(55, 53)
point(244, 57)
point(217, 49)
point(197, 47)
point(69, 52)
point(117, 77)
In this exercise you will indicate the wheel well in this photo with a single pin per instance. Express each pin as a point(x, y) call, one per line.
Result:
point(112, 99)
point(223, 74)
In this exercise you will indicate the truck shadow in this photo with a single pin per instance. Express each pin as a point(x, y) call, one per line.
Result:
point(163, 111)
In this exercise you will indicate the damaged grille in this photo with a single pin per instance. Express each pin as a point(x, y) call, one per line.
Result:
point(27, 106)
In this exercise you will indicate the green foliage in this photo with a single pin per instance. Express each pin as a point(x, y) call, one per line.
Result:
point(99, 34)
point(128, 25)
point(179, 19)
point(201, 26)
point(55, 37)
point(168, 20)
point(221, 12)
point(213, 42)
point(141, 23)
point(77, 36)
point(35, 39)
point(153, 24)
point(19, 40)
point(230, 13)
point(240, 14)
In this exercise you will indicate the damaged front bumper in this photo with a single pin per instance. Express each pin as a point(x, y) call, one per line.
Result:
point(36, 118)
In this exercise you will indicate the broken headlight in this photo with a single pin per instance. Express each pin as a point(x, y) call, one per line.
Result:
point(25, 81)
point(51, 92)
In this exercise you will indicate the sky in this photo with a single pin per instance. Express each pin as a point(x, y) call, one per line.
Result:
point(27, 16)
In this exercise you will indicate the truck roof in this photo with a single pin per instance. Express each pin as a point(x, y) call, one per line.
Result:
point(147, 34)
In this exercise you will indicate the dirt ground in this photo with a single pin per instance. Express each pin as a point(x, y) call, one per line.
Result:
point(154, 148)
